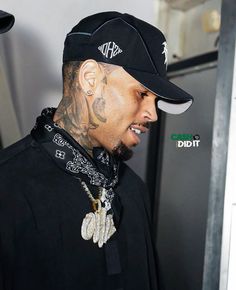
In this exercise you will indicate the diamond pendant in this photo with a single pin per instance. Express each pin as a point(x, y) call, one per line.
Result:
point(98, 225)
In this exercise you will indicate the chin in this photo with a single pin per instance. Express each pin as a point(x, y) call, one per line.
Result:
point(122, 152)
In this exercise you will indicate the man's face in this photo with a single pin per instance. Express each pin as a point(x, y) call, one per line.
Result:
point(123, 108)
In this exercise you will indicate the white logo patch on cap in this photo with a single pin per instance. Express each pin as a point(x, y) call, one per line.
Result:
point(165, 51)
point(110, 49)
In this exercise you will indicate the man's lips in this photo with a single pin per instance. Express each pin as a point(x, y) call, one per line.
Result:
point(135, 130)
point(139, 128)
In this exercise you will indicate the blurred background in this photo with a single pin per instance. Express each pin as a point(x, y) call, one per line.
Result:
point(179, 176)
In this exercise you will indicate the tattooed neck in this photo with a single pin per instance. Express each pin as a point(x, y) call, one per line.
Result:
point(76, 119)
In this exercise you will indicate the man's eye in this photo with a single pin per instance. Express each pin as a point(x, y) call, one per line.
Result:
point(142, 94)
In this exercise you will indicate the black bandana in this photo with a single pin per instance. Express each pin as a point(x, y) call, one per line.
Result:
point(101, 170)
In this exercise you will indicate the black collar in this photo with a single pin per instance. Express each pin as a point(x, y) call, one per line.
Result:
point(101, 170)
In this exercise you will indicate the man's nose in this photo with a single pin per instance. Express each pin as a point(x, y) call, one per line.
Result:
point(150, 111)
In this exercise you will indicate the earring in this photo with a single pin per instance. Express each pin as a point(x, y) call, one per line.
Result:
point(89, 92)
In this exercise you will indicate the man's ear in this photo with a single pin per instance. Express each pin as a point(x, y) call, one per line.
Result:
point(89, 74)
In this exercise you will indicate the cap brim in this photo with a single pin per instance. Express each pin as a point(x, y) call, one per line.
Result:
point(6, 21)
point(172, 99)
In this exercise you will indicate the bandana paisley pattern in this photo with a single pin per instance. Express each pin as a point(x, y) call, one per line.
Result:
point(99, 171)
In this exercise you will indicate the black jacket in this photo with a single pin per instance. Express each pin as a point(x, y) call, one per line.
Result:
point(41, 211)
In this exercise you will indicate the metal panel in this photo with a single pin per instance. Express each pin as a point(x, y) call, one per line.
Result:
point(139, 160)
point(230, 281)
point(220, 146)
point(184, 186)
point(228, 252)
point(228, 259)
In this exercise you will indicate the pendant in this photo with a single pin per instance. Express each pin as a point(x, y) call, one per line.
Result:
point(98, 225)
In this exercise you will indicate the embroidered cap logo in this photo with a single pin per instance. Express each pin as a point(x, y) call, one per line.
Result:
point(165, 51)
point(110, 49)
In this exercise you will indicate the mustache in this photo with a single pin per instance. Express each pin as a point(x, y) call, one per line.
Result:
point(146, 124)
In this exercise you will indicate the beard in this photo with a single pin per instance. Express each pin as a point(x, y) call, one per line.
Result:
point(122, 152)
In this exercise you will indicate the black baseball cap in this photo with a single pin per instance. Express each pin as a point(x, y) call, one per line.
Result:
point(140, 48)
point(6, 21)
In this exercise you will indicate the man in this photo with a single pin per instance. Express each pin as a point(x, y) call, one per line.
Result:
point(72, 214)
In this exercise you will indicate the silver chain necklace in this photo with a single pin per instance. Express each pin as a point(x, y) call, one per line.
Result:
point(98, 225)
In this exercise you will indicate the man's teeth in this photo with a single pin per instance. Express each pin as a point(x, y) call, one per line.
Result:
point(137, 131)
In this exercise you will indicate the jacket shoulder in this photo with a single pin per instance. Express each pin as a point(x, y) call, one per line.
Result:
point(13, 150)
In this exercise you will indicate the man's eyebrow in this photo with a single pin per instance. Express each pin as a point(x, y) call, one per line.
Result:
point(147, 90)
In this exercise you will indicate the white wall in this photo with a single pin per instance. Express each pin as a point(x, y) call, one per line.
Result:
point(32, 50)
point(184, 31)
point(196, 40)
